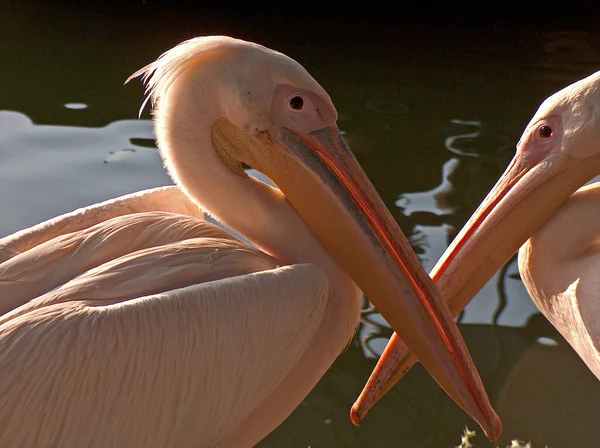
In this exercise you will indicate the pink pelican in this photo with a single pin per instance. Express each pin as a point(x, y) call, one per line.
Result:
point(134, 322)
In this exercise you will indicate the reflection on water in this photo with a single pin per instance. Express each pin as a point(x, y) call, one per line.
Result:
point(76, 106)
point(432, 111)
point(46, 170)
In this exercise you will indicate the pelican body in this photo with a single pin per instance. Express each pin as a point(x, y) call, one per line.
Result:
point(135, 322)
point(538, 203)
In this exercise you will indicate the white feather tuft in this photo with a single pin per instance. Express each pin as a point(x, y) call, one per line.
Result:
point(160, 74)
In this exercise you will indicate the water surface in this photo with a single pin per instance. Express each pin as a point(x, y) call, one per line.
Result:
point(432, 109)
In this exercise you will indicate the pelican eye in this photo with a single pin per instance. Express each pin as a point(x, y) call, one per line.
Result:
point(545, 131)
point(297, 102)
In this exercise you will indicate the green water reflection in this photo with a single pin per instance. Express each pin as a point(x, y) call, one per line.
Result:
point(414, 97)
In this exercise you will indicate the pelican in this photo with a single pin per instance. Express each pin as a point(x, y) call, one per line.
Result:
point(538, 205)
point(135, 322)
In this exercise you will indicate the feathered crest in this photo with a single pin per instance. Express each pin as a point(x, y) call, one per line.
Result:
point(160, 74)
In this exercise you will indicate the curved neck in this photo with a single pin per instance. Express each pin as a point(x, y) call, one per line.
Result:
point(258, 212)
point(566, 242)
point(264, 216)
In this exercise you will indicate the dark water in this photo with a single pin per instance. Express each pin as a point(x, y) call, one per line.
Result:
point(432, 107)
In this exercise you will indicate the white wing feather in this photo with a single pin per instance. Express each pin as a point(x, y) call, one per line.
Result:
point(166, 199)
point(190, 364)
point(122, 328)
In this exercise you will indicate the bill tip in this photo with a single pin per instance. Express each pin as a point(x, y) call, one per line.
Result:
point(494, 430)
point(355, 417)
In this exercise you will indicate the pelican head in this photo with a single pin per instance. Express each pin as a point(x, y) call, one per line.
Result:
point(222, 103)
point(557, 153)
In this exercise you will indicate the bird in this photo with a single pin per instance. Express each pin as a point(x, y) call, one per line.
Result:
point(542, 208)
point(137, 322)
